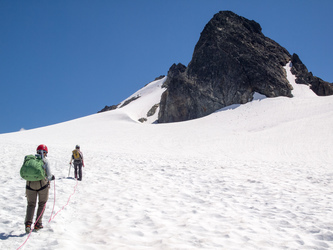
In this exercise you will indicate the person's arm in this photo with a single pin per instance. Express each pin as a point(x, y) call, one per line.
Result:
point(48, 170)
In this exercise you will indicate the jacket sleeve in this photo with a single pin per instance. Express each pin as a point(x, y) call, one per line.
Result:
point(47, 169)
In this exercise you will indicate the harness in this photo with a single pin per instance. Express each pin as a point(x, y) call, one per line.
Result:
point(40, 182)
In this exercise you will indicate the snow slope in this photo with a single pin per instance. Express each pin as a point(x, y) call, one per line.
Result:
point(252, 176)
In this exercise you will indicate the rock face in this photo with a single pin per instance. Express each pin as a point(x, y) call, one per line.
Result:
point(303, 76)
point(231, 61)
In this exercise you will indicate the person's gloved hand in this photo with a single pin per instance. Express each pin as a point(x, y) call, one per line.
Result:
point(53, 178)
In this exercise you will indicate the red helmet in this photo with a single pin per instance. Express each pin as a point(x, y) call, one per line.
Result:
point(42, 147)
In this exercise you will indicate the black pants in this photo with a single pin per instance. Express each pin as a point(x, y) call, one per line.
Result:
point(78, 167)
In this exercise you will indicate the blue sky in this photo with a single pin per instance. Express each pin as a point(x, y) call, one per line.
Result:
point(65, 59)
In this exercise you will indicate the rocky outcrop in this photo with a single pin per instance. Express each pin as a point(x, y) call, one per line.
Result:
point(231, 61)
point(152, 110)
point(112, 107)
point(108, 108)
point(303, 76)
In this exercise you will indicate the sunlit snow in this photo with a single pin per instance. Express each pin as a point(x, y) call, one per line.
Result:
point(252, 176)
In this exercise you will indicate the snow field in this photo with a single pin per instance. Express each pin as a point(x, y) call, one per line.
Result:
point(253, 176)
point(131, 202)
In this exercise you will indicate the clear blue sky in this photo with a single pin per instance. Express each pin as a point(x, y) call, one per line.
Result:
point(65, 59)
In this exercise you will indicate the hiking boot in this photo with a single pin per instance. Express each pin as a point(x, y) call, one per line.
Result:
point(38, 226)
point(28, 227)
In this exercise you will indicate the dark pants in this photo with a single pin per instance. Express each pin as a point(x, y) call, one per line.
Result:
point(78, 168)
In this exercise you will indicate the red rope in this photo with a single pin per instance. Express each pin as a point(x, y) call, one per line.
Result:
point(34, 227)
point(66, 203)
point(51, 218)
point(53, 201)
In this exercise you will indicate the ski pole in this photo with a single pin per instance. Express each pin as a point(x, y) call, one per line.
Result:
point(69, 170)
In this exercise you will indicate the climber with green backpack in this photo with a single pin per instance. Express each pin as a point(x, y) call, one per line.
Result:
point(37, 173)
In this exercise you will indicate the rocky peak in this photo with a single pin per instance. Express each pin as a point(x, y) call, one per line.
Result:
point(231, 61)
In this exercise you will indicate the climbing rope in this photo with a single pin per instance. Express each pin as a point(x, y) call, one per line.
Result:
point(51, 218)
point(34, 226)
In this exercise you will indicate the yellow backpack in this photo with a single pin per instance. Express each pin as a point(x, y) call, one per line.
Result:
point(76, 155)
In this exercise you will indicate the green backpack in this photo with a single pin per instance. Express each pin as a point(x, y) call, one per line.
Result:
point(32, 168)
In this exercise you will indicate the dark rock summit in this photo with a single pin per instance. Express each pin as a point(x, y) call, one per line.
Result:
point(231, 61)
